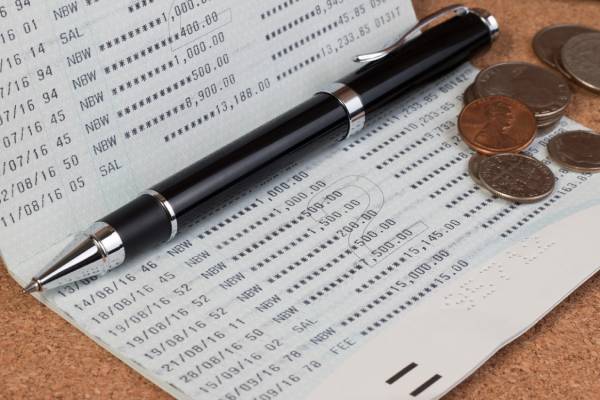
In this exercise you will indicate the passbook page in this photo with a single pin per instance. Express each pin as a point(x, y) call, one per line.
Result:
point(101, 99)
point(375, 269)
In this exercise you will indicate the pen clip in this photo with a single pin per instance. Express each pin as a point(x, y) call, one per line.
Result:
point(456, 9)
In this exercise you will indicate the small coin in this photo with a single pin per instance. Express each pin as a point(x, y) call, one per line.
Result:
point(581, 59)
point(469, 95)
point(474, 164)
point(545, 92)
point(517, 177)
point(548, 42)
point(497, 124)
point(576, 150)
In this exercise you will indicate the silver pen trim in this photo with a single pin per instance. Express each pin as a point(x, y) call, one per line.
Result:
point(168, 209)
point(351, 102)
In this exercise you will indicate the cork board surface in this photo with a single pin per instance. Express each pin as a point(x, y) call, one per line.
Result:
point(44, 357)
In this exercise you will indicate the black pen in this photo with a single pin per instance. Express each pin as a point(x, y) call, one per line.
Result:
point(333, 114)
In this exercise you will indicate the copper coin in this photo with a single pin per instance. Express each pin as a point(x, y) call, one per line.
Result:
point(545, 92)
point(517, 177)
point(497, 124)
point(548, 42)
point(474, 164)
point(581, 59)
point(576, 150)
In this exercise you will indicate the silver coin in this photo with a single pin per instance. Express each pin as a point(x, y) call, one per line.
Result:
point(516, 177)
point(474, 163)
point(581, 59)
point(547, 128)
point(545, 92)
point(548, 42)
point(560, 67)
point(576, 150)
point(542, 123)
point(550, 122)
point(469, 95)
point(544, 130)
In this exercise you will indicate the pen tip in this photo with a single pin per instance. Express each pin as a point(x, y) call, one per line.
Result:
point(33, 286)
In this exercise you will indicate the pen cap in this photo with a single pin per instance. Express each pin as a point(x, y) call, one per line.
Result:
point(433, 53)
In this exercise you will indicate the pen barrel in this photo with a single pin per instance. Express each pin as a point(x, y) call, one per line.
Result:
point(427, 57)
point(149, 219)
point(319, 120)
point(179, 200)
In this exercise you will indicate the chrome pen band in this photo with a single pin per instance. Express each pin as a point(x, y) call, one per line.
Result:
point(353, 104)
point(109, 244)
point(168, 209)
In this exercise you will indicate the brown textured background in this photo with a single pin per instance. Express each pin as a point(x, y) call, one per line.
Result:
point(43, 357)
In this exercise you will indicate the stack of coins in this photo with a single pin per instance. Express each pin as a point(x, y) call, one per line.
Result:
point(498, 128)
point(509, 103)
point(546, 93)
point(573, 50)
